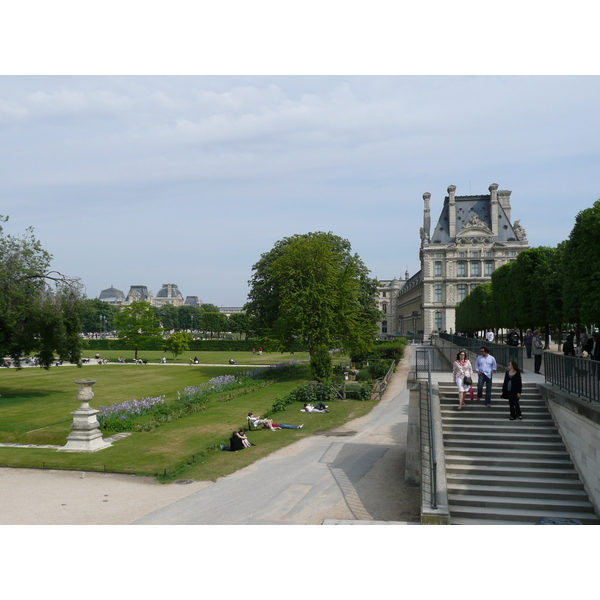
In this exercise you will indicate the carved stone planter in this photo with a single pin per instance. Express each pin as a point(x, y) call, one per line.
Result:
point(85, 433)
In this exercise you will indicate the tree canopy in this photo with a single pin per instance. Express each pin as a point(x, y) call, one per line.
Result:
point(137, 324)
point(312, 287)
point(40, 309)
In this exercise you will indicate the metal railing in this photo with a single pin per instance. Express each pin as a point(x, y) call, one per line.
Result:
point(381, 385)
point(579, 376)
point(501, 352)
point(424, 359)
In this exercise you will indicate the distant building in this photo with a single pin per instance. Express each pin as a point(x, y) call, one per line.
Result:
point(229, 310)
point(138, 293)
point(112, 295)
point(192, 301)
point(168, 294)
point(387, 292)
point(474, 236)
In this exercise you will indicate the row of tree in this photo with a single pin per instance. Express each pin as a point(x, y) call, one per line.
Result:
point(308, 289)
point(98, 316)
point(544, 287)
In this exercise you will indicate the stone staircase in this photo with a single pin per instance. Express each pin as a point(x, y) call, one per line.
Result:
point(508, 472)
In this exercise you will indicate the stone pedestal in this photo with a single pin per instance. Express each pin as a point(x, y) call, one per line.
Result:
point(85, 433)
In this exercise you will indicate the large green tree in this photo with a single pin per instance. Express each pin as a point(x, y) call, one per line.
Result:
point(40, 309)
point(137, 325)
point(311, 287)
point(581, 267)
point(215, 322)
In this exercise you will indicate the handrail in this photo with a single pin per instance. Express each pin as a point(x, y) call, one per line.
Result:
point(426, 353)
point(579, 376)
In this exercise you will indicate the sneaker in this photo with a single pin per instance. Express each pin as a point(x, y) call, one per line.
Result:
point(512, 419)
point(520, 418)
point(301, 426)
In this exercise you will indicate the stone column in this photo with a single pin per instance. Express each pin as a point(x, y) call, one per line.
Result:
point(85, 433)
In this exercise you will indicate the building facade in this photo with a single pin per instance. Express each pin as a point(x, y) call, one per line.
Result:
point(474, 235)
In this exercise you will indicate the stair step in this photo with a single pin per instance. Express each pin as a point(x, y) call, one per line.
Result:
point(521, 472)
point(541, 505)
point(505, 491)
point(490, 445)
point(504, 452)
point(531, 516)
point(505, 435)
point(509, 480)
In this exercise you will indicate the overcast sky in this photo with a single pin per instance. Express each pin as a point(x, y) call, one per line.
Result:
point(146, 180)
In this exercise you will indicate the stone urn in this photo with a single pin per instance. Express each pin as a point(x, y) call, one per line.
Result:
point(85, 433)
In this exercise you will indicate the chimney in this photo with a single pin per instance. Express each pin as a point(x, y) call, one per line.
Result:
point(452, 211)
point(504, 200)
point(494, 207)
point(427, 214)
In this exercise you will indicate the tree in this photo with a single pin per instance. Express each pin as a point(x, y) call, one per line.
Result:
point(215, 322)
point(97, 315)
point(207, 307)
point(40, 309)
point(239, 323)
point(168, 315)
point(138, 325)
point(190, 317)
point(581, 267)
point(177, 343)
point(312, 287)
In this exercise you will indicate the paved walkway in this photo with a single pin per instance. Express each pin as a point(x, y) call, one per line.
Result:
point(353, 475)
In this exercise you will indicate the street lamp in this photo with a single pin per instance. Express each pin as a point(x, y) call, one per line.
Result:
point(103, 323)
point(192, 329)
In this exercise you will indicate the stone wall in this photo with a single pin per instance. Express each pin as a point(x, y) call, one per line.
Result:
point(579, 424)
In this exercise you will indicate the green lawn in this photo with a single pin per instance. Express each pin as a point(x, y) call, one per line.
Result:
point(35, 408)
point(211, 358)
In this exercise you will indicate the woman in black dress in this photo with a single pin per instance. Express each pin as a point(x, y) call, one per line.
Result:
point(512, 388)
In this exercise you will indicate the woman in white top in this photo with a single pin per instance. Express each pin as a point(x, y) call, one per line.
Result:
point(460, 369)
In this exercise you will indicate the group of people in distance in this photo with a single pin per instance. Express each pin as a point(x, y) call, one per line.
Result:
point(485, 366)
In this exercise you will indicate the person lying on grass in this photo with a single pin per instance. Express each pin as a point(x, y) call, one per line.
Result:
point(319, 408)
point(256, 421)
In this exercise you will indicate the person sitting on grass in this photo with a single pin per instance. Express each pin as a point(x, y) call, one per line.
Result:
point(319, 408)
point(242, 435)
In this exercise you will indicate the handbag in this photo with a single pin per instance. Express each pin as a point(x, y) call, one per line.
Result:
point(471, 393)
point(467, 381)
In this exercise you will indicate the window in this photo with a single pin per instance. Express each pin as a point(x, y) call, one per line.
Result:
point(384, 293)
point(383, 326)
point(438, 320)
point(384, 307)
point(437, 269)
point(461, 254)
point(475, 254)
point(462, 291)
point(488, 253)
point(489, 267)
point(437, 293)
point(475, 268)
point(437, 255)
point(512, 253)
point(462, 268)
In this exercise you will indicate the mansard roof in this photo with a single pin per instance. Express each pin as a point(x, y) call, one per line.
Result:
point(169, 290)
point(466, 208)
point(111, 293)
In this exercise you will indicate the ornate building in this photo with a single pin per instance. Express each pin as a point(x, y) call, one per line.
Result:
point(474, 236)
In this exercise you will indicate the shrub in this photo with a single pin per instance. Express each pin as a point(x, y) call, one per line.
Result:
point(364, 375)
point(379, 368)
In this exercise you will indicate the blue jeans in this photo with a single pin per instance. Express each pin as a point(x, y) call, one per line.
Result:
point(284, 426)
point(488, 387)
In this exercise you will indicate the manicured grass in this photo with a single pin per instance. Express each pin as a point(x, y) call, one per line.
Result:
point(210, 358)
point(33, 399)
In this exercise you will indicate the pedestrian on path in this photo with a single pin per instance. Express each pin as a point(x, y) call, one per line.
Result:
point(485, 365)
point(512, 389)
point(462, 372)
point(528, 340)
point(489, 336)
point(537, 347)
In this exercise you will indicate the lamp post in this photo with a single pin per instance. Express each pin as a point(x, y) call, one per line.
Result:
point(192, 329)
point(103, 322)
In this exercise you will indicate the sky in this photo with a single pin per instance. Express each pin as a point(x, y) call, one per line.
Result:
point(147, 180)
